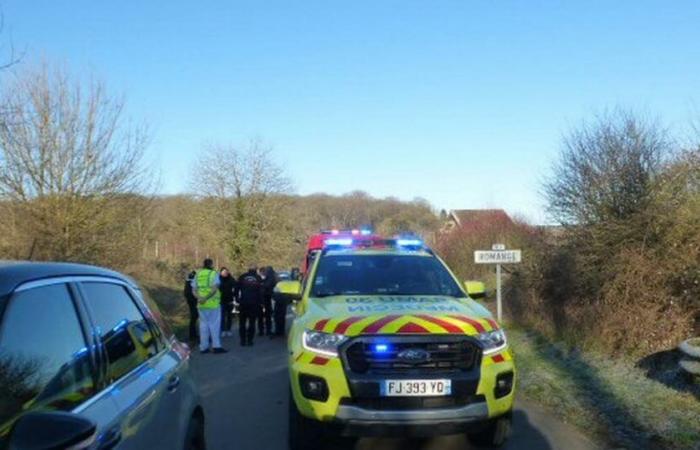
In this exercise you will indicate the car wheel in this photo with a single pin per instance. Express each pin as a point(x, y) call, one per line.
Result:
point(303, 433)
point(495, 434)
point(194, 439)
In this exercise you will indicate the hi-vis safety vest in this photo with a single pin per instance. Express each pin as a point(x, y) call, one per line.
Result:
point(204, 280)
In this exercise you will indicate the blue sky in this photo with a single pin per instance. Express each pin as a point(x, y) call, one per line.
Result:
point(459, 102)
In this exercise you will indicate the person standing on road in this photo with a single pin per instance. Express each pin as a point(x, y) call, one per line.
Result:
point(228, 285)
point(280, 313)
point(205, 286)
point(269, 282)
point(261, 312)
point(191, 305)
point(249, 295)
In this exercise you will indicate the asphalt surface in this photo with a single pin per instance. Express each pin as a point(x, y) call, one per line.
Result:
point(245, 401)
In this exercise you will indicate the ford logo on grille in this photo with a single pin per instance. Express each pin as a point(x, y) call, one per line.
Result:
point(414, 356)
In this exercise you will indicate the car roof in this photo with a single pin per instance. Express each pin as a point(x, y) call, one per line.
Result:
point(16, 273)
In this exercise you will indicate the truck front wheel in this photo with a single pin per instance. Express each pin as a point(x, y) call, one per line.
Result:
point(304, 433)
point(495, 434)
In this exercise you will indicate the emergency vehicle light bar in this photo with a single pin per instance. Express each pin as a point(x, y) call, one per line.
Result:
point(342, 242)
point(404, 243)
point(362, 231)
point(409, 243)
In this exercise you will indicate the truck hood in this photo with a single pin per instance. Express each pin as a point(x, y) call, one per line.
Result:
point(355, 314)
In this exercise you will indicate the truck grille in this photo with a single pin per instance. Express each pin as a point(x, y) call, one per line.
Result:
point(446, 355)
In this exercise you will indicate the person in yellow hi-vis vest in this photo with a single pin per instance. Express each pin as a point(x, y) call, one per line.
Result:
point(205, 287)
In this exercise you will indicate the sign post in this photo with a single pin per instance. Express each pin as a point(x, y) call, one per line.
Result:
point(498, 255)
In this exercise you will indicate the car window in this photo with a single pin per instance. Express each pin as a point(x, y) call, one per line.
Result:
point(44, 361)
point(383, 275)
point(124, 332)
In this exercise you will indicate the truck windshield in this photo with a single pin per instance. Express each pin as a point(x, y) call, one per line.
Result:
point(383, 275)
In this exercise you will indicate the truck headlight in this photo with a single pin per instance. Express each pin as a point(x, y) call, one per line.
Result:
point(322, 343)
point(493, 341)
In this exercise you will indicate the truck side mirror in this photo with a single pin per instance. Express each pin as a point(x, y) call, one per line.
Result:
point(475, 289)
point(56, 430)
point(290, 289)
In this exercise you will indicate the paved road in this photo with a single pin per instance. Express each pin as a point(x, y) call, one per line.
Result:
point(245, 400)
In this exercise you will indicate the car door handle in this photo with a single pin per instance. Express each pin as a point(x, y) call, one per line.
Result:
point(110, 439)
point(173, 383)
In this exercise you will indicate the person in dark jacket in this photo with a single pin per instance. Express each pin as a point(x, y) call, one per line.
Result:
point(249, 295)
point(227, 287)
point(265, 319)
point(192, 305)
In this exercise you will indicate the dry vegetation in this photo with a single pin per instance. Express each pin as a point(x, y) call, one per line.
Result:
point(74, 186)
point(622, 271)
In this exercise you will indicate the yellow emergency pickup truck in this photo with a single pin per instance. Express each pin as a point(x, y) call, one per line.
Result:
point(386, 341)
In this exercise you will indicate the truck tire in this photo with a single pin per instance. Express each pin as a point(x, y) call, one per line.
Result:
point(303, 433)
point(495, 434)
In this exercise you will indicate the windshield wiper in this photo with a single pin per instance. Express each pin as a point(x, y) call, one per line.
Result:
point(417, 294)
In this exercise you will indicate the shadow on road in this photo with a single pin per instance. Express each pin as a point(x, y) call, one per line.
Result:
point(525, 436)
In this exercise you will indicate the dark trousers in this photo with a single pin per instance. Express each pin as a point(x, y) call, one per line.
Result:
point(280, 315)
point(246, 322)
point(265, 318)
point(226, 316)
point(194, 315)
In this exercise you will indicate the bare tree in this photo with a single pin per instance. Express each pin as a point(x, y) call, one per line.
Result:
point(606, 169)
point(71, 167)
point(10, 56)
point(243, 194)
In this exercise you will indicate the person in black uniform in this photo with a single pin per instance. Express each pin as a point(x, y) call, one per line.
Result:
point(227, 286)
point(265, 319)
point(249, 295)
point(192, 305)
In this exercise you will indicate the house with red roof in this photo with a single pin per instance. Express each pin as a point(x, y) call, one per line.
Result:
point(475, 219)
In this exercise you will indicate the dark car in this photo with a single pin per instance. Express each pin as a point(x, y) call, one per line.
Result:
point(87, 363)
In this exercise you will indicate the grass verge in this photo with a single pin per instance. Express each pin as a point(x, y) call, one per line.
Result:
point(612, 399)
point(171, 304)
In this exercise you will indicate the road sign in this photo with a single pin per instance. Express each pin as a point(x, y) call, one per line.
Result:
point(497, 256)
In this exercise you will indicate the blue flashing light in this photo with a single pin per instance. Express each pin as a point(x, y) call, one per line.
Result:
point(409, 242)
point(381, 348)
point(339, 242)
point(365, 232)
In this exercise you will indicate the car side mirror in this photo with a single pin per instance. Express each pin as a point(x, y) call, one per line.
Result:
point(55, 430)
point(288, 289)
point(475, 289)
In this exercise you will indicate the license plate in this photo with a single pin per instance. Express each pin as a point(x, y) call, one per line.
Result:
point(416, 388)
